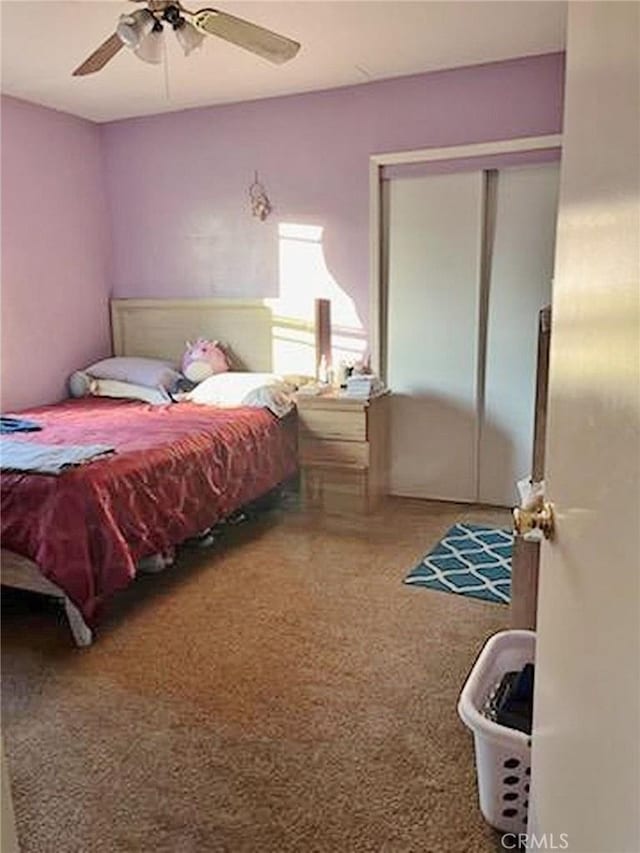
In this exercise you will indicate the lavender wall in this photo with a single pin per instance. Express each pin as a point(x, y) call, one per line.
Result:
point(178, 182)
point(177, 221)
point(54, 252)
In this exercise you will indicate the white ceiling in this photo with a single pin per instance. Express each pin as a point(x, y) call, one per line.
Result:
point(343, 43)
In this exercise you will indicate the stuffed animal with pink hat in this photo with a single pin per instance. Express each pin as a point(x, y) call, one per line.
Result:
point(203, 359)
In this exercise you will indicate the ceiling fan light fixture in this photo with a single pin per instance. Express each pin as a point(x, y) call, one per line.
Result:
point(141, 32)
point(188, 36)
point(133, 28)
point(150, 48)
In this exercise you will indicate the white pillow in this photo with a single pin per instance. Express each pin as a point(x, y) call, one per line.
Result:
point(130, 391)
point(151, 372)
point(258, 390)
point(83, 385)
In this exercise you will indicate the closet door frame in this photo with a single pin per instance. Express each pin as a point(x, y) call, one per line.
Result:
point(377, 285)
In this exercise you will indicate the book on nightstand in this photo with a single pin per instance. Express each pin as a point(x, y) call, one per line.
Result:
point(363, 386)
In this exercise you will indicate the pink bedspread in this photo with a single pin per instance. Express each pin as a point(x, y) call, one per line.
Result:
point(178, 469)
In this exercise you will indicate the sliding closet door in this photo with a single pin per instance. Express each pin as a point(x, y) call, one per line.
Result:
point(432, 259)
point(521, 269)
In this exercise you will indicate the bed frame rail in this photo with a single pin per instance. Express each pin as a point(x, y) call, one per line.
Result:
point(22, 573)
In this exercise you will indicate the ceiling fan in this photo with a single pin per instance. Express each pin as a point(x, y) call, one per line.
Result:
point(142, 32)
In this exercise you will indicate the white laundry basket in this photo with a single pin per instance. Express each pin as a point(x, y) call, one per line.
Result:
point(502, 754)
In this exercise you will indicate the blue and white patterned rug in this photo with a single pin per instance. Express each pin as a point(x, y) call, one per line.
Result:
point(470, 559)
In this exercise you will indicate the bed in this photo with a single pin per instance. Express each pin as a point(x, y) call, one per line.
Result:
point(178, 469)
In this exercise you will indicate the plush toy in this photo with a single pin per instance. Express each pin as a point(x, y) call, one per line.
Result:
point(203, 359)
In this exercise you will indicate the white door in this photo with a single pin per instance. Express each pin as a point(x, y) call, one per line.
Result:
point(433, 232)
point(586, 742)
point(520, 273)
point(462, 329)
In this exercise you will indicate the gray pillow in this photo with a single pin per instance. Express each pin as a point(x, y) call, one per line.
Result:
point(152, 372)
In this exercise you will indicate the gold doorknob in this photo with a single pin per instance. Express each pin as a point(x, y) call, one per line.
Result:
point(537, 518)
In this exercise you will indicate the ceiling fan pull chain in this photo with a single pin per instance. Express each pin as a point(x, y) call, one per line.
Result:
point(166, 70)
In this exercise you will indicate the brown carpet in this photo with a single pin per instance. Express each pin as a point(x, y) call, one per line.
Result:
point(281, 692)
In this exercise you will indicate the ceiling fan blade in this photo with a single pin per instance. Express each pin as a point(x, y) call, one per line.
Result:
point(263, 42)
point(100, 57)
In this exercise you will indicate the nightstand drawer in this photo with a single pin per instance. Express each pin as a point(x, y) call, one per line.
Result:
point(331, 490)
point(340, 424)
point(348, 454)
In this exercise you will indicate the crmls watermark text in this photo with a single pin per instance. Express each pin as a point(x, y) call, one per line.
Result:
point(530, 841)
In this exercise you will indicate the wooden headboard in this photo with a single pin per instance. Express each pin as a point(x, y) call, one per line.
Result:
point(159, 328)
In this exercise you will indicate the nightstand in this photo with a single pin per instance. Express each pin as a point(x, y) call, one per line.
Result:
point(343, 449)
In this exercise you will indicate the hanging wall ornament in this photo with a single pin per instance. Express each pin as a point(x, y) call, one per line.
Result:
point(260, 204)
